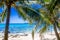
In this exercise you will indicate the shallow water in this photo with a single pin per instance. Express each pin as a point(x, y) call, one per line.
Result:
point(15, 27)
point(20, 27)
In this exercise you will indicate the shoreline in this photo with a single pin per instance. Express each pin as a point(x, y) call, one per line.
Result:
point(28, 36)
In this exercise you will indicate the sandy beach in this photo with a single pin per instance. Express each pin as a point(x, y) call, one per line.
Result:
point(24, 36)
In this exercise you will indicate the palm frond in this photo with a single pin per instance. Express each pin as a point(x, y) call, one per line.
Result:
point(33, 31)
point(47, 1)
point(32, 13)
point(59, 25)
point(23, 14)
point(1, 4)
point(0, 14)
point(3, 16)
point(33, 34)
point(52, 5)
point(44, 29)
point(35, 28)
point(45, 15)
point(45, 19)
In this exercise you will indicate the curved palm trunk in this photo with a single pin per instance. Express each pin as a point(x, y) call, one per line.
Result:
point(7, 22)
point(55, 29)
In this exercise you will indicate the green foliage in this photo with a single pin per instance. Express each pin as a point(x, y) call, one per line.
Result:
point(1, 4)
point(24, 15)
point(48, 16)
point(43, 15)
point(52, 5)
point(44, 29)
point(33, 34)
point(21, 12)
point(32, 15)
point(3, 16)
point(47, 0)
point(59, 25)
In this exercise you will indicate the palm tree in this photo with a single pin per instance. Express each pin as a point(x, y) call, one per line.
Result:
point(8, 18)
point(8, 4)
point(23, 13)
point(45, 15)
point(22, 9)
point(53, 16)
point(49, 16)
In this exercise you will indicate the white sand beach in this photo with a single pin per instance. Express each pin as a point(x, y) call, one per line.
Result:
point(24, 36)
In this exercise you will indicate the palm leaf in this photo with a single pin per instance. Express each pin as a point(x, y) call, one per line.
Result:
point(34, 15)
point(47, 0)
point(26, 11)
point(45, 16)
point(1, 4)
point(43, 29)
point(33, 31)
point(52, 5)
point(23, 14)
point(59, 25)
point(35, 28)
point(0, 14)
point(45, 19)
point(3, 16)
point(33, 34)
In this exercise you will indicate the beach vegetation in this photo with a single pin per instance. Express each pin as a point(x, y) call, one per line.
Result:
point(47, 14)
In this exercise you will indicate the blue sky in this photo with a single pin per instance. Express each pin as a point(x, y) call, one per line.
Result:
point(14, 18)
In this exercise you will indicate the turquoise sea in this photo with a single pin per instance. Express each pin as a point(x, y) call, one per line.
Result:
point(19, 27)
point(16, 27)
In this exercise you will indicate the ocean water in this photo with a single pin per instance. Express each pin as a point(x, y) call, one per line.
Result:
point(16, 27)
point(21, 27)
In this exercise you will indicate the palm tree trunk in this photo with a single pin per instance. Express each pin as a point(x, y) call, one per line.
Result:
point(55, 29)
point(7, 22)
